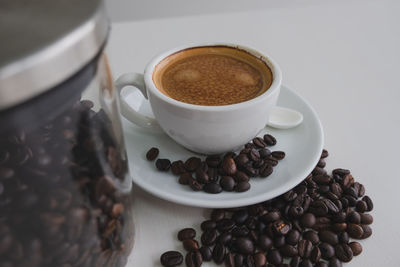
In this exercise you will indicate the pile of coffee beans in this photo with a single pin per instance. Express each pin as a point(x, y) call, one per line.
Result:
point(229, 172)
point(311, 225)
point(59, 204)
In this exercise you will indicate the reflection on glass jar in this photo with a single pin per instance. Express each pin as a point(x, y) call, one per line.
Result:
point(64, 182)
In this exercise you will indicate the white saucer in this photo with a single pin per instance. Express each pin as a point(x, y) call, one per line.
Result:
point(302, 145)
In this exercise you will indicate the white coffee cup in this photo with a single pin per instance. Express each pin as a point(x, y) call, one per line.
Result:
point(202, 129)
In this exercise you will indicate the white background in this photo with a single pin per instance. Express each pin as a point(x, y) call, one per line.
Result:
point(342, 56)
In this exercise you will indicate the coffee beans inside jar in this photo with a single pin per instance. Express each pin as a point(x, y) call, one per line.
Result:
point(228, 172)
point(314, 224)
point(59, 200)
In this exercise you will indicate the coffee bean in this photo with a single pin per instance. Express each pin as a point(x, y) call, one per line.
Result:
point(335, 262)
point(259, 142)
point(327, 251)
point(265, 243)
point(206, 253)
point(185, 178)
point(288, 250)
point(304, 247)
point(227, 183)
point(195, 185)
point(254, 155)
point(343, 252)
point(321, 163)
point(366, 218)
point(324, 153)
point(340, 172)
point(190, 244)
point(218, 253)
point(239, 259)
point(328, 237)
point(322, 264)
point(213, 174)
point(306, 263)
point(308, 220)
point(225, 225)
point(274, 257)
point(355, 230)
point(244, 245)
point(242, 186)
point(266, 170)
point(315, 255)
point(295, 261)
point(163, 164)
point(281, 228)
point(171, 258)
point(319, 208)
point(229, 260)
point(367, 231)
point(311, 236)
point(339, 227)
point(209, 237)
point(264, 153)
point(356, 248)
point(229, 166)
point(241, 177)
point(361, 189)
point(152, 153)
point(240, 216)
point(186, 233)
point(217, 215)
point(241, 160)
point(212, 188)
point(177, 167)
point(279, 155)
point(296, 211)
point(240, 231)
point(208, 225)
point(193, 259)
point(271, 161)
point(354, 217)
point(322, 179)
point(224, 238)
point(260, 259)
point(293, 237)
point(279, 241)
point(213, 161)
point(201, 176)
point(336, 189)
point(318, 171)
point(368, 201)
point(192, 163)
point(347, 181)
point(269, 140)
point(361, 206)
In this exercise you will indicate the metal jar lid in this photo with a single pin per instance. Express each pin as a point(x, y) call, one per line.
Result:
point(43, 43)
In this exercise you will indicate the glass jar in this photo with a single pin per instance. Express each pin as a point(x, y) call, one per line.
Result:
point(64, 182)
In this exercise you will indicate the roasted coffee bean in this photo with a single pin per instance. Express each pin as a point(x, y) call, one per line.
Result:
point(163, 164)
point(190, 244)
point(266, 170)
point(264, 153)
point(281, 228)
point(254, 155)
point(315, 255)
point(185, 178)
point(355, 230)
point(328, 237)
point(304, 247)
point(242, 187)
point(264, 242)
point(347, 181)
point(356, 248)
point(332, 208)
point(269, 140)
point(336, 189)
point(208, 225)
point(367, 231)
point(213, 174)
point(324, 153)
point(218, 253)
point(322, 179)
point(225, 225)
point(288, 250)
point(229, 166)
point(249, 170)
point(289, 196)
point(339, 227)
point(152, 153)
point(177, 167)
point(192, 163)
point(240, 216)
point(343, 252)
point(242, 159)
point(319, 208)
point(327, 251)
point(274, 257)
point(279, 155)
point(239, 260)
point(361, 189)
point(308, 220)
point(296, 211)
point(186, 233)
point(260, 259)
point(194, 259)
point(351, 201)
point(212, 188)
point(311, 236)
point(241, 177)
point(224, 238)
point(306, 263)
point(217, 215)
point(195, 185)
point(271, 161)
point(244, 245)
point(206, 253)
point(368, 201)
point(361, 206)
point(343, 237)
point(209, 237)
point(270, 217)
point(258, 164)
point(318, 171)
point(335, 262)
point(240, 231)
point(366, 218)
point(321, 163)
point(213, 161)
point(279, 241)
point(340, 172)
point(201, 176)
point(295, 261)
point(227, 183)
point(171, 258)
point(293, 237)
point(354, 217)
point(259, 142)
point(322, 264)
point(230, 260)
point(351, 192)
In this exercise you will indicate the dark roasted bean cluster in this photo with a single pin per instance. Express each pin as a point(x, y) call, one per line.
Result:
point(229, 172)
point(59, 205)
point(310, 225)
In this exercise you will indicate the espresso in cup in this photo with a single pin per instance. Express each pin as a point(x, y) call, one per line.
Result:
point(212, 76)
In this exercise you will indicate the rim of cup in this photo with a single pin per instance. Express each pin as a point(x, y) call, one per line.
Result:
point(276, 78)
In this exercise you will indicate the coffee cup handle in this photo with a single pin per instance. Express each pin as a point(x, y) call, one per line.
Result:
point(137, 81)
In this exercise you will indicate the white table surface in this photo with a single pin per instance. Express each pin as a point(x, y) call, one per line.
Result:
point(342, 57)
